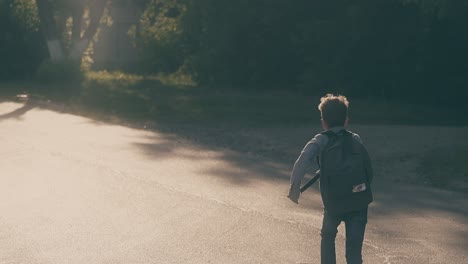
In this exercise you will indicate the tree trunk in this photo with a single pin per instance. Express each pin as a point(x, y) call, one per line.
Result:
point(52, 34)
point(81, 44)
point(78, 46)
point(96, 10)
point(77, 15)
point(49, 29)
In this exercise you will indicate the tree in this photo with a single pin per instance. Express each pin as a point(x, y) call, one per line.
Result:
point(49, 11)
point(21, 48)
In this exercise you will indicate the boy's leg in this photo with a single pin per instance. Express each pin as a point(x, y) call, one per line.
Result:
point(329, 230)
point(355, 227)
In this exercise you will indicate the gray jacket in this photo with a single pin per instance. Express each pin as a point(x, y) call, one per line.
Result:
point(307, 158)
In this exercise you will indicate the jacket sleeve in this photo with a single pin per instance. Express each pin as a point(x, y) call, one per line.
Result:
point(303, 162)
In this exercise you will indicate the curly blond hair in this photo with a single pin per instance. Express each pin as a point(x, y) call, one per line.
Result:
point(334, 109)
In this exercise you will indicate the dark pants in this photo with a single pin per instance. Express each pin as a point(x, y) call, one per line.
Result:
point(355, 223)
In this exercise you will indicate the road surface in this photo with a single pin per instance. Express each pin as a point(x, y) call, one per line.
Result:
point(75, 190)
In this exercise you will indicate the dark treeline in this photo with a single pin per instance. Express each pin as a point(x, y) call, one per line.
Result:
point(22, 47)
point(394, 49)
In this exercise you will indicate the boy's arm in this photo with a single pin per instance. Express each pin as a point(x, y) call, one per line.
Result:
point(305, 160)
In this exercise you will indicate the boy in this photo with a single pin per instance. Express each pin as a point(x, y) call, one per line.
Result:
point(345, 177)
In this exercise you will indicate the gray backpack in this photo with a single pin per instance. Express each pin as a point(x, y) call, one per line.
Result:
point(345, 173)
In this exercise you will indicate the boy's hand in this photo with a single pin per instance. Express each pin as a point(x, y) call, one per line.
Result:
point(294, 199)
point(294, 194)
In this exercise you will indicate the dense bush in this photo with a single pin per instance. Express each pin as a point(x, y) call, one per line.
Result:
point(66, 71)
point(160, 39)
point(394, 49)
point(400, 49)
point(22, 47)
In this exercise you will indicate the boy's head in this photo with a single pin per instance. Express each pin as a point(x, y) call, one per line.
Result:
point(334, 110)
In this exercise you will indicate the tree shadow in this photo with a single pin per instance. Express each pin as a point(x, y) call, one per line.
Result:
point(403, 206)
point(19, 111)
point(253, 158)
point(243, 167)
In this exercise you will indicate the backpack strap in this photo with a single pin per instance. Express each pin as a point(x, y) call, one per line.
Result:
point(330, 134)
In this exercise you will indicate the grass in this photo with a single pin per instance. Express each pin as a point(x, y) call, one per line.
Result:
point(176, 99)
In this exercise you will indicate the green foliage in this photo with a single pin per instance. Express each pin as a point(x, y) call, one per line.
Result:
point(160, 37)
point(21, 45)
point(402, 50)
point(242, 42)
point(406, 50)
point(25, 14)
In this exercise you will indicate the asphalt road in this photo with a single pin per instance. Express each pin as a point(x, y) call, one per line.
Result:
point(74, 190)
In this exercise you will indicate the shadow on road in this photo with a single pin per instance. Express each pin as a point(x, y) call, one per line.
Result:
point(259, 162)
point(268, 154)
point(18, 112)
